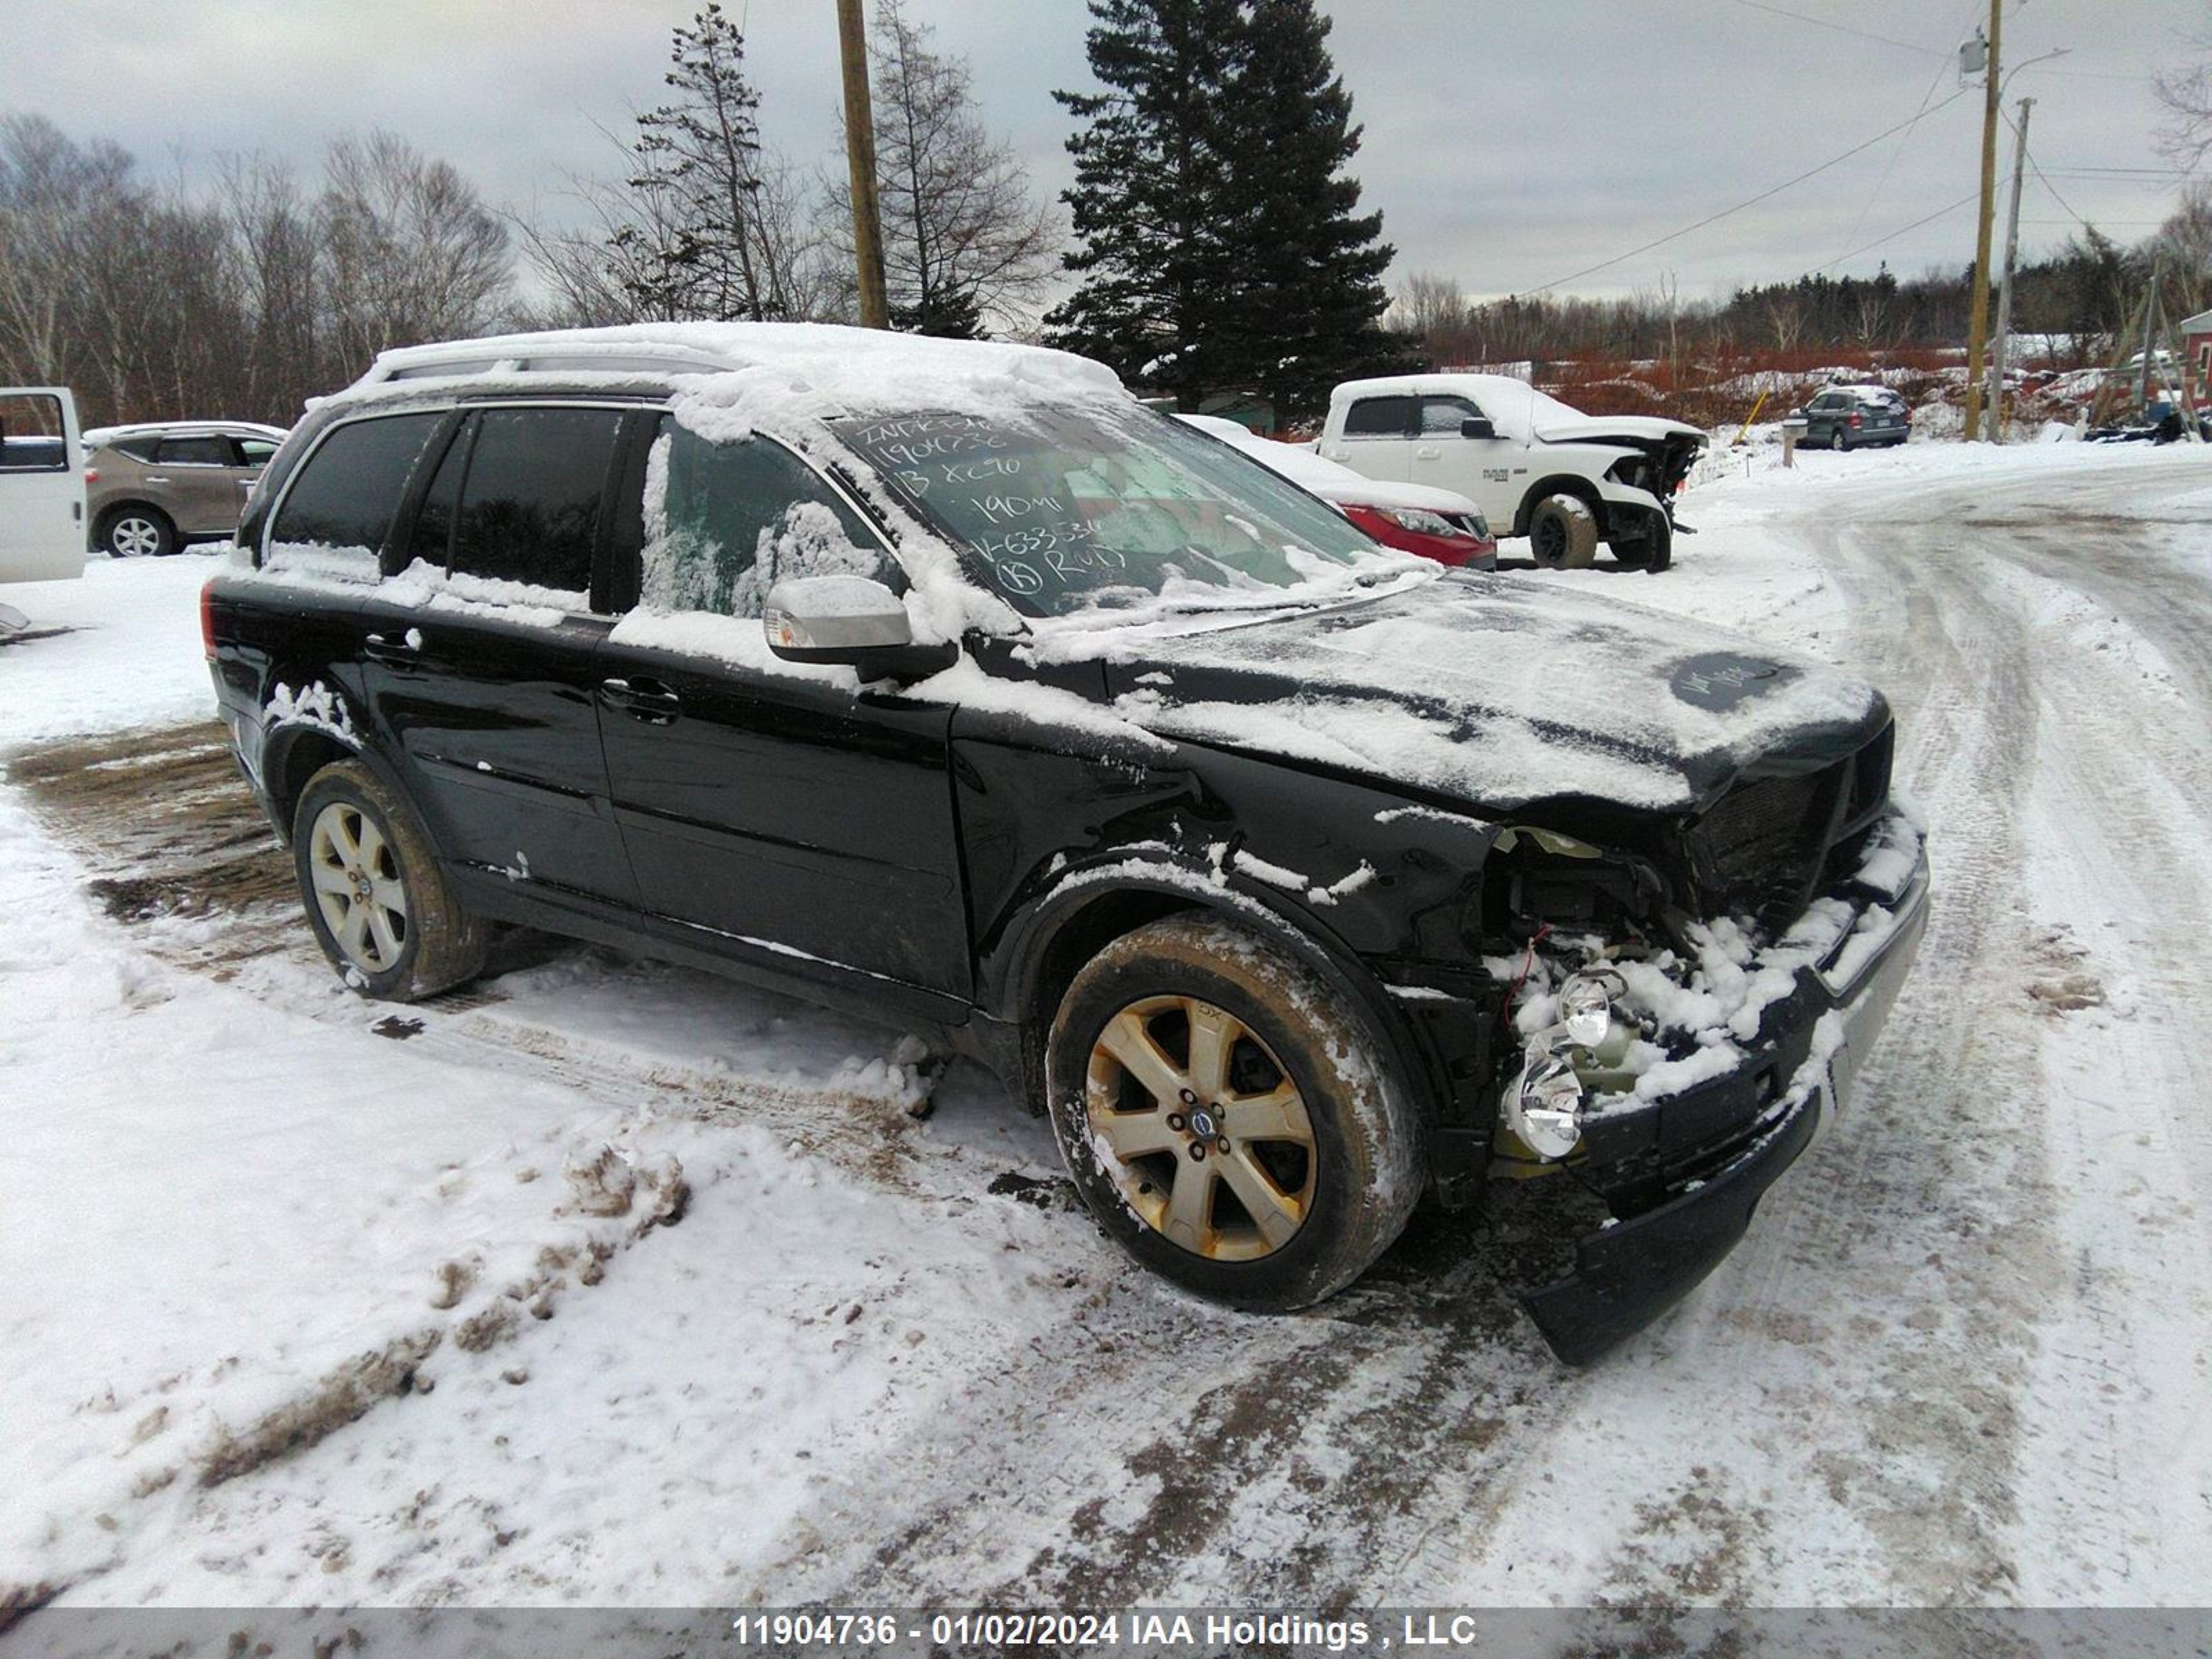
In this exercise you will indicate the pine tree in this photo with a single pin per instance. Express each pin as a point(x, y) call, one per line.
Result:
point(964, 239)
point(1221, 244)
point(699, 156)
point(1152, 202)
point(1312, 297)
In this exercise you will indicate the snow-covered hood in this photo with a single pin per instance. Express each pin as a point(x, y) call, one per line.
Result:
point(1496, 692)
point(1636, 430)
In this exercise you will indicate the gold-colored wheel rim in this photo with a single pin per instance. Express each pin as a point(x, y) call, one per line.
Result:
point(1201, 1129)
point(357, 886)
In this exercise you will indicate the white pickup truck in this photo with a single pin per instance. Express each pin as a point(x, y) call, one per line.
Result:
point(1535, 467)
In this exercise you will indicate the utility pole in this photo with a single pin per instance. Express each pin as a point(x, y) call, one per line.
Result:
point(1999, 346)
point(1978, 329)
point(860, 157)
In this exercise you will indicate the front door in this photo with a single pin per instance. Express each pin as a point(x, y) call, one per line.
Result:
point(1482, 469)
point(782, 814)
point(482, 664)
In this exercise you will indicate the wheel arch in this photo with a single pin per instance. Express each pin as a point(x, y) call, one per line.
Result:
point(1559, 484)
point(114, 510)
point(1070, 922)
point(293, 752)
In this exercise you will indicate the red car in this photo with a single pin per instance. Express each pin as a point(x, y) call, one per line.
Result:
point(1437, 524)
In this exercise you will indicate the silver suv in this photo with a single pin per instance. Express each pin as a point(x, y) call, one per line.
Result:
point(151, 489)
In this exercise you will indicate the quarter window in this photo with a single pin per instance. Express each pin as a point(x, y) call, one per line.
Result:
point(530, 497)
point(256, 452)
point(343, 502)
point(1379, 417)
point(725, 522)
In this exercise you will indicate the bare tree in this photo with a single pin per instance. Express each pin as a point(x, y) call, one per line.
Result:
point(412, 254)
point(965, 240)
point(2182, 249)
point(2186, 93)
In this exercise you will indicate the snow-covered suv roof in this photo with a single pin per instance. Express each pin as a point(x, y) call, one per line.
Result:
point(867, 367)
point(107, 435)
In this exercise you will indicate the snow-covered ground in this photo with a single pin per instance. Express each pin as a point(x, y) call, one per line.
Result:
point(612, 1282)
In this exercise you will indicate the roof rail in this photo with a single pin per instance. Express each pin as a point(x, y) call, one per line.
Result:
point(512, 357)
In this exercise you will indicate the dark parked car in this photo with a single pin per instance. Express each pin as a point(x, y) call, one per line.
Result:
point(1295, 878)
point(1851, 416)
point(151, 489)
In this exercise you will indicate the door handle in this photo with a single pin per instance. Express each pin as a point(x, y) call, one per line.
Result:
point(377, 649)
point(1427, 452)
point(150, 478)
point(643, 700)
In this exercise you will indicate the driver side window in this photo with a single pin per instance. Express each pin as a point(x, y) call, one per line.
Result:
point(725, 522)
point(1441, 416)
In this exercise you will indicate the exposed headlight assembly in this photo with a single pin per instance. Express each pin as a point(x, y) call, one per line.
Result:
point(1544, 1109)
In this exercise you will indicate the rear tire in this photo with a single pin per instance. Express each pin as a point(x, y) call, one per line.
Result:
point(1563, 533)
point(1191, 1036)
point(1836, 440)
point(136, 533)
point(374, 893)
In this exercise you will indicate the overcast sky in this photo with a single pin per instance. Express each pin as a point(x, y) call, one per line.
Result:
point(1510, 144)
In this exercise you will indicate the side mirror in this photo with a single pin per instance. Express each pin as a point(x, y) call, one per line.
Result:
point(850, 620)
point(1477, 426)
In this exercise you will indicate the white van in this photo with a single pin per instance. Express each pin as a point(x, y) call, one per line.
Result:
point(41, 485)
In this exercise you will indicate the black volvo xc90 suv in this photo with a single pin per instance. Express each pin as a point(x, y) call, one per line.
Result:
point(1297, 879)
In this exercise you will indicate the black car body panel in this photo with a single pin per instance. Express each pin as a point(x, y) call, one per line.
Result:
point(949, 862)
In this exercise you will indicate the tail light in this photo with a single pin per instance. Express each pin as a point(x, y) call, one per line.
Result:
point(92, 475)
point(1855, 420)
point(207, 620)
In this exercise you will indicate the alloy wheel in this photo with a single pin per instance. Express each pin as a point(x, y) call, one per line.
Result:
point(1202, 1131)
point(358, 886)
point(134, 538)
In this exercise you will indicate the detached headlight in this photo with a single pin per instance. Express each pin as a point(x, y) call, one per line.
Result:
point(1586, 1004)
point(1545, 1110)
point(1419, 519)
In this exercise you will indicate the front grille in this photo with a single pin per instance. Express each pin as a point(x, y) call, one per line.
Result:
point(1764, 847)
point(1762, 842)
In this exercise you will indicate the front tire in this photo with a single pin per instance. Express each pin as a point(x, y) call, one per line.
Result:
point(374, 893)
point(1227, 1118)
point(1563, 533)
point(136, 533)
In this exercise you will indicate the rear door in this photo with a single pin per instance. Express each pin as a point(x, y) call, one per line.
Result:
point(42, 532)
point(795, 818)
point(1378, 439)
point(480, 657)
point(198, 475)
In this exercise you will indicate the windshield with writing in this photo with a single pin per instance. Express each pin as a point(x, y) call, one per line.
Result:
point(1063, 509)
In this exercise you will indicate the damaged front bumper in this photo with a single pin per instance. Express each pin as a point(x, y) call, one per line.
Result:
point(1684, 1173)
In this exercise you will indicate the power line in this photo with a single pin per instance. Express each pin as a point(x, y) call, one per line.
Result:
point(1896, 155)
point(1971, 195)
point(1764, 195)
point(1841, 28)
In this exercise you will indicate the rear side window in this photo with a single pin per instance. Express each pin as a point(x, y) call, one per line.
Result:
point(256, 452)
point(138, 449)
point(197, 451)
point(725, 522)
point(340, 507)
point(31, 434)
point(530, 496)
point(1379, 417)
